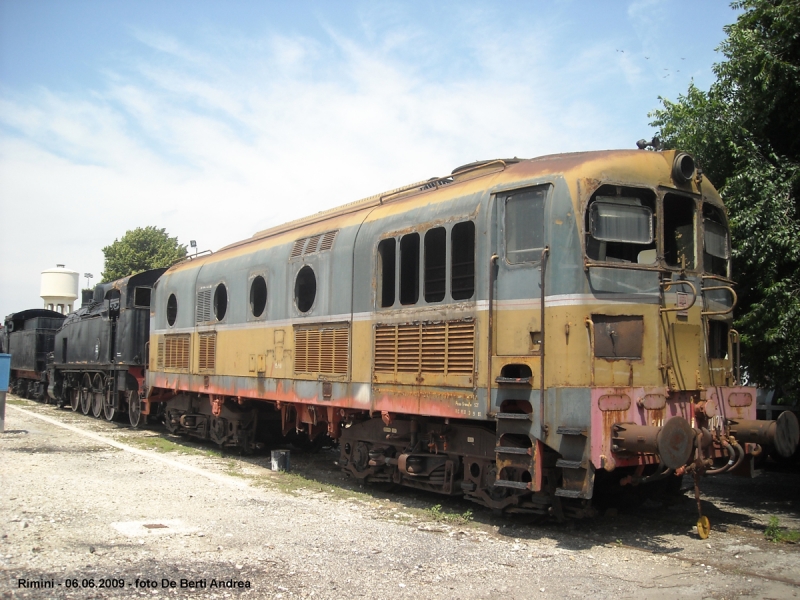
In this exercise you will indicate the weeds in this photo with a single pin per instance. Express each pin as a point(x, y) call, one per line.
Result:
point(437, 514)
point(775, 533)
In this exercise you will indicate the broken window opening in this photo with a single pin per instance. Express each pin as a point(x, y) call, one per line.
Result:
point(718, 333)
point(387, 250)
point(524, 225)
point(305, 289)
point(716, 241)
point(172, 309)
point(679, 231)
point(409, 268)
point(258, 296)
point(220, 301)
point(462, 260)
point(435, 264)
point(620, 225)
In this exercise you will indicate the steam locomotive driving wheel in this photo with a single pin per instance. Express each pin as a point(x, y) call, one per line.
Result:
point(86, 394)
point(74, 399)
point(135, 409)
point(98, 393)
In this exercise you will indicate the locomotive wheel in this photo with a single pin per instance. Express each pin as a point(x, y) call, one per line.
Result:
point(109, 412)
point(135, 409)
point(97, 396)
point(86, 394)
point(74, 399)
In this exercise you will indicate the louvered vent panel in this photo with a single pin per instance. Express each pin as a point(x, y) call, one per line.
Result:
point(313, 351)
point(445, 348)
point(385, 348)
point(326, 345)
point(324, 350)
point(341, 350)
point(203, 309)
point(301, 350)
point(408, 348)
point(207, 356)
point(160, 355)
point(327, 240)
point(434, 344)
point(297, 249)
point(461, 347)
point(176, 351)
point(311, 246)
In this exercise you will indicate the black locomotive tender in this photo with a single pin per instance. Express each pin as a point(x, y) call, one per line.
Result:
point(93, 359)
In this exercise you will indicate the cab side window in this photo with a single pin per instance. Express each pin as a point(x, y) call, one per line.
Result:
point(524, 224)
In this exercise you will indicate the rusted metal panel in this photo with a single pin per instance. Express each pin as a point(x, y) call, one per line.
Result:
point(618, 337)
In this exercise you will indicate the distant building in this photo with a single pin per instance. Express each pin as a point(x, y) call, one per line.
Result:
point(59, 289)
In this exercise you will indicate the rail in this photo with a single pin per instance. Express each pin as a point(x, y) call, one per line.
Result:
point(668, 284)
point(734, 301)
point(542, 426)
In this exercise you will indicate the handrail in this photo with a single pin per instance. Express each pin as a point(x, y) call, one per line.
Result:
point(733, 333)
point(668, 284)
point(630, 266)
point(708, 313)
point(721, 278)
point(492, 262)
point(543, 263)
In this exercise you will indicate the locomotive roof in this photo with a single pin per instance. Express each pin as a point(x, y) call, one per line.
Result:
point(33, 313)
point(598, 165)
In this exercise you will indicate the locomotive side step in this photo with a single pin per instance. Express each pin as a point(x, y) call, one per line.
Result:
point(566, 493)
point(516, 485)
point(512, 450)
point(570, 464)
point(564, 430)
point(514, 416)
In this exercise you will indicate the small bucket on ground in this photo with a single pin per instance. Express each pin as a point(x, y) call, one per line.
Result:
point(280, 460)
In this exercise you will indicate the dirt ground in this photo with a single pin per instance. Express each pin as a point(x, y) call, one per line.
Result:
point(98, 510)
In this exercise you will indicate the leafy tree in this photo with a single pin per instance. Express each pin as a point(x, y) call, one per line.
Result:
point(745, 133)
point(141, 249)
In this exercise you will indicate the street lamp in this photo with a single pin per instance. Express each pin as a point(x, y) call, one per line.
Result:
point(88, 277)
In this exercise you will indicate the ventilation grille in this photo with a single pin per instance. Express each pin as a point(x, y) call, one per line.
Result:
point(445, 347)
point(322, 350)
point(207, 355)
point(321, 242)
point(173, 351)
point(203, 310)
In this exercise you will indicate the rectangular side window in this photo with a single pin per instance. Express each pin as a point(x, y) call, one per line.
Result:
point(716, 244)
point(386, 272)
point(462, 260)
point(409, 268)
point(435, 264)
point(141, 297)
point(524, 225)
point(621, 225)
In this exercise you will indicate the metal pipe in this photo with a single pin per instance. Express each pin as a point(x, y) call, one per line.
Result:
point(729, 464)
point(490, 350)
point(590, 326)
point(542, 426)
point(740, 452)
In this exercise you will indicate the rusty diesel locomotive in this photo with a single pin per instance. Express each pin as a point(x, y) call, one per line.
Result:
point(506, 332)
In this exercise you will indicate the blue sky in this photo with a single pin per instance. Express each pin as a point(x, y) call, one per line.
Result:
point(218, 119)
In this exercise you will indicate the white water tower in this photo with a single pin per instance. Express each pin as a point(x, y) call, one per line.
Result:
point(59, 289)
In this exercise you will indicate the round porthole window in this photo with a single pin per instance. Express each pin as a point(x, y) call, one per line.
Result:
point(305, 289)
point(258, 296)
point(172, 309)
point(220, 301)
